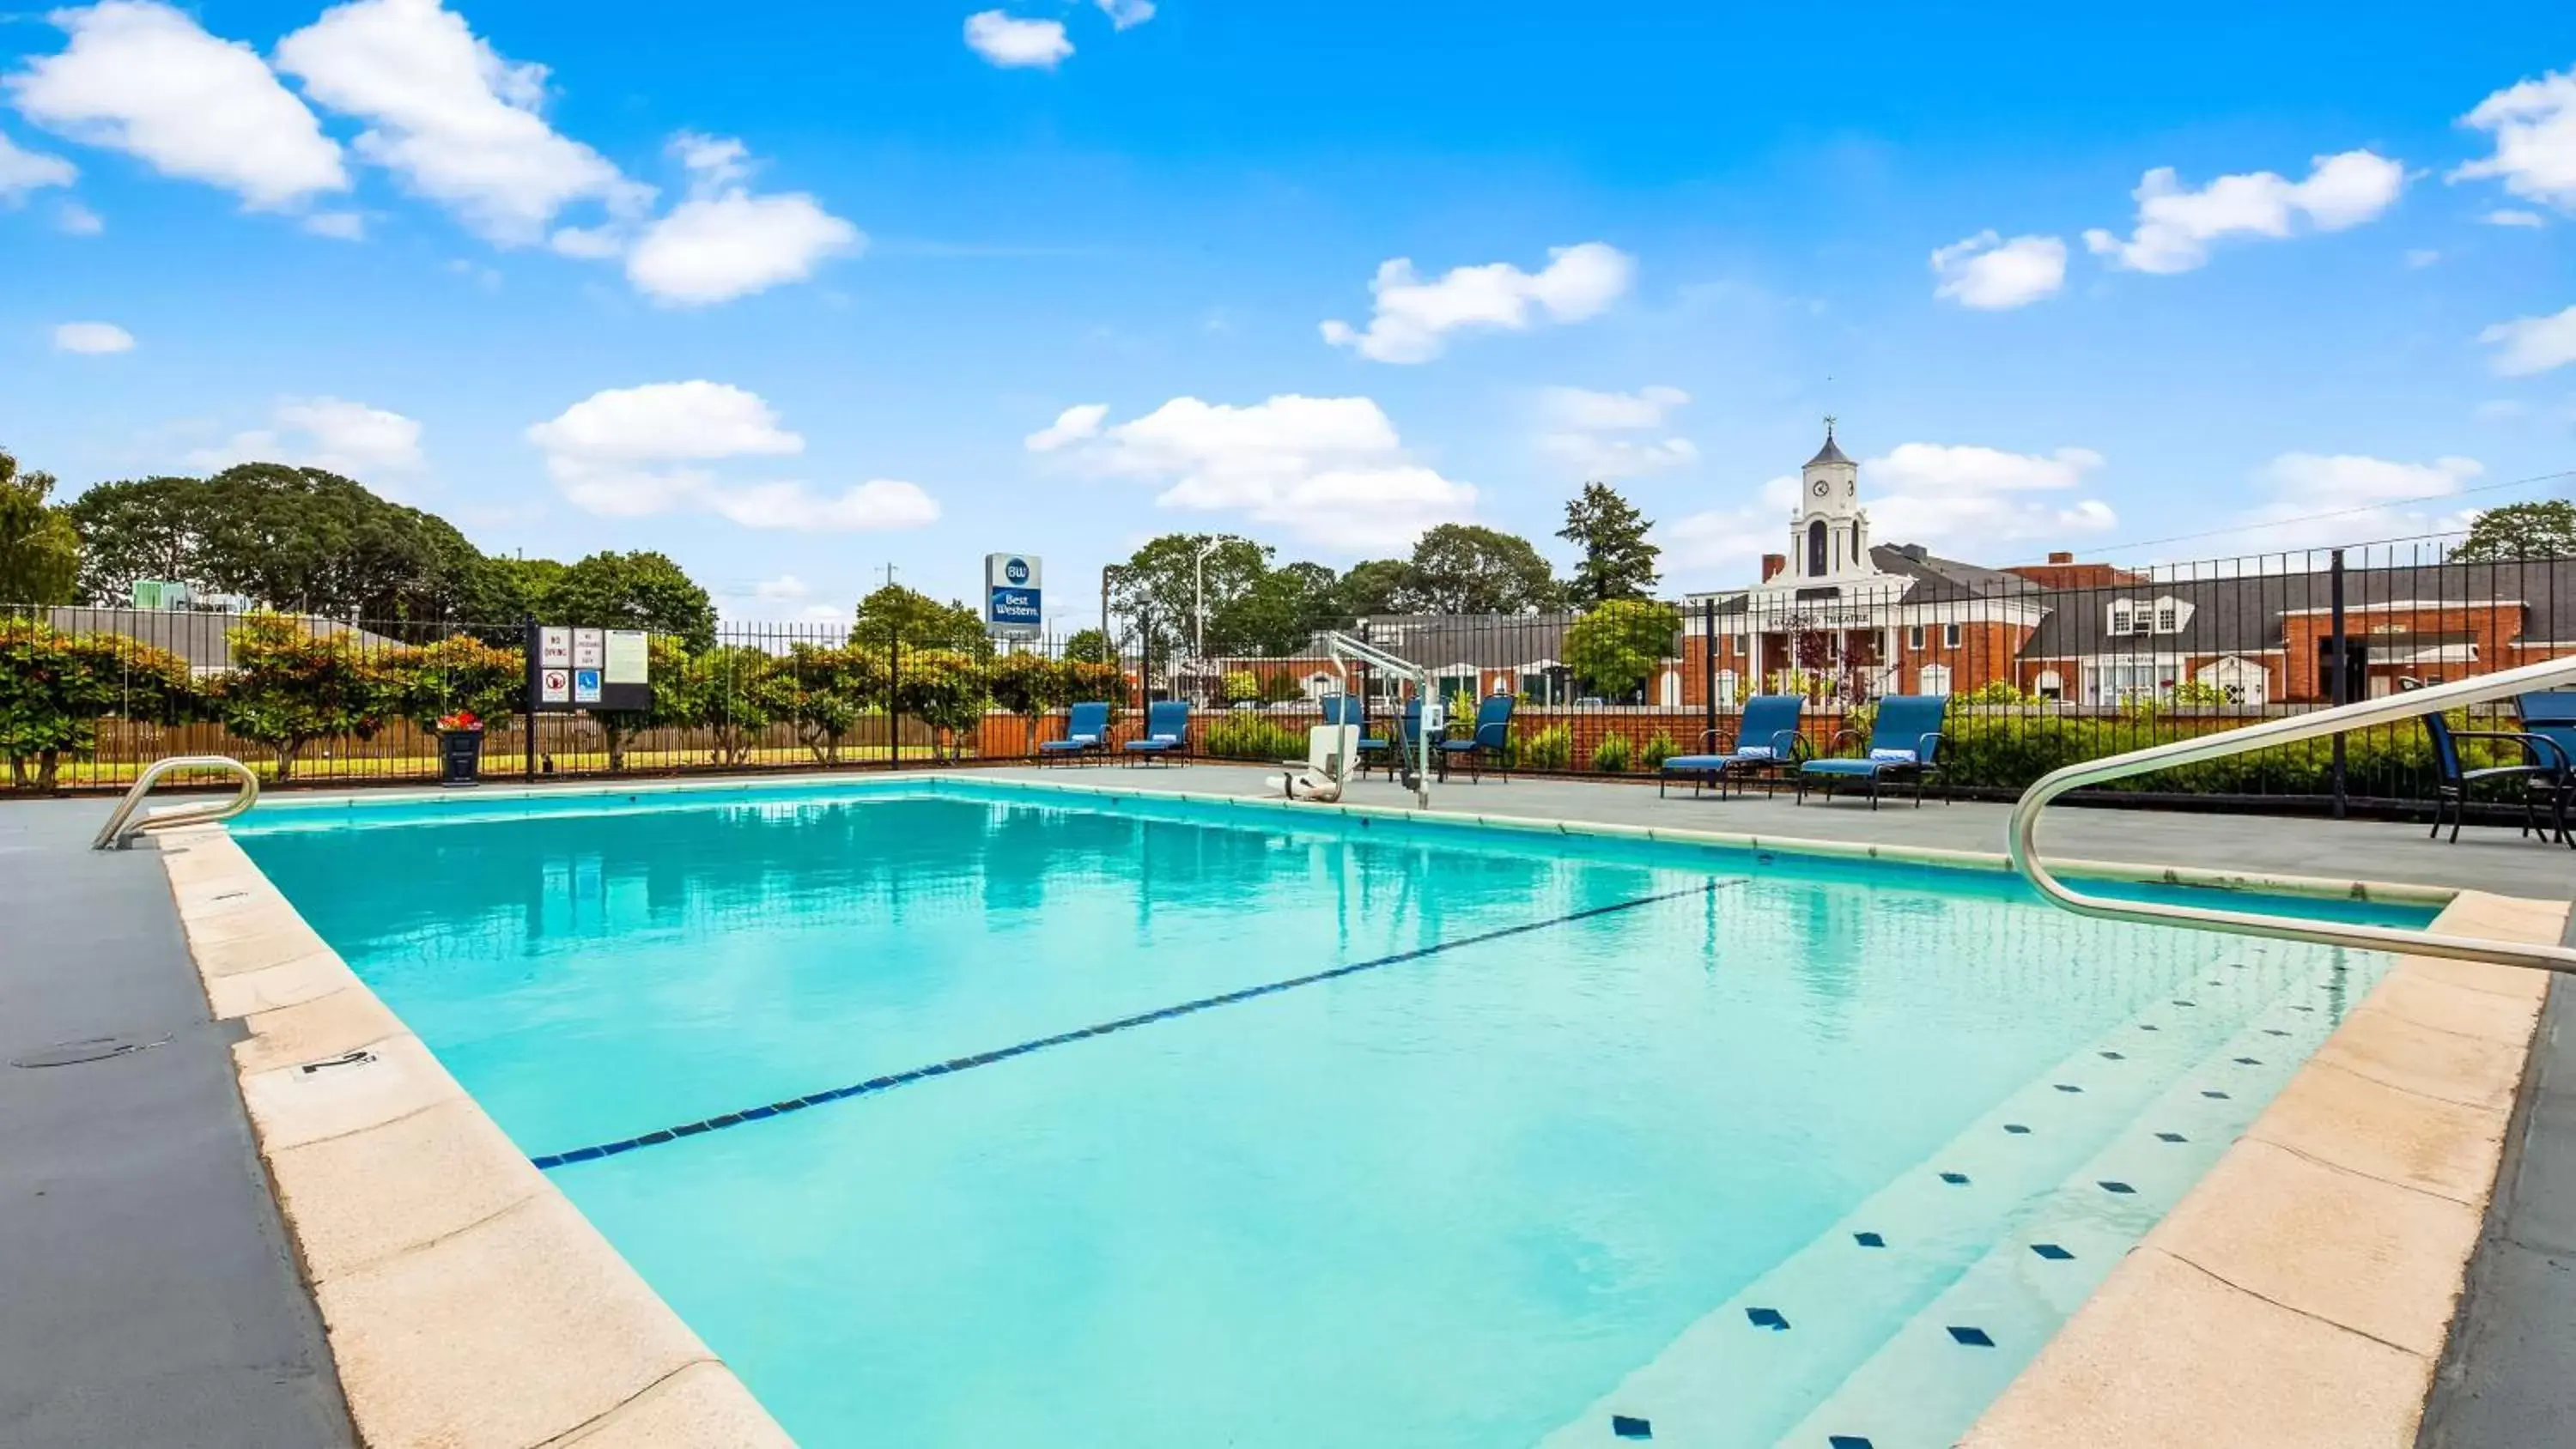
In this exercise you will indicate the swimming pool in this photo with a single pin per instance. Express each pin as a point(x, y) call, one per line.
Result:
point(952, 1113)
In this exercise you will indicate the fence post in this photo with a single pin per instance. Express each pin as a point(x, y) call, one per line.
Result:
point(1707, 671)
point(2339, 683)
point(894, 693)
point(528, 643)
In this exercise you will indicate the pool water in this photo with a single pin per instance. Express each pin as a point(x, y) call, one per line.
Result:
point(1510, 1164)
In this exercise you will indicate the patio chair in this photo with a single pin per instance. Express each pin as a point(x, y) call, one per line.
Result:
point(1086, 734)
point(1492, 736)
point(1167, 732)
point(1766, 741)
point(1904, 744)
point(1399, 752)
point(2544, 773)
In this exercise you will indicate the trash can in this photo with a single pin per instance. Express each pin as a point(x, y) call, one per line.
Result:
point(461, 755)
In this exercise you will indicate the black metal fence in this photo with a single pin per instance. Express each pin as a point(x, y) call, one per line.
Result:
point(2043, 664)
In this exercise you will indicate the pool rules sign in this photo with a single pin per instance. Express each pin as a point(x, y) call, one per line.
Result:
point(571, 669)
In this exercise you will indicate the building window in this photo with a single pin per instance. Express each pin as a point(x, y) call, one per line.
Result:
point(1816, 549)
point(1949, 636)
point(2049, 685)
point(2168, 619)
point(1914, 637)
point(2124, 616)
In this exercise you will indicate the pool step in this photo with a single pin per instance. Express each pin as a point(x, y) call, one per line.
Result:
point(1930, 1381)
point(1801, 1334)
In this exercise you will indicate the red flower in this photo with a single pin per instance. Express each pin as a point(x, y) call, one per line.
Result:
point(460, 722)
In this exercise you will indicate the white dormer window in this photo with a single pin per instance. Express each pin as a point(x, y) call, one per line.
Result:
point(2166, 615)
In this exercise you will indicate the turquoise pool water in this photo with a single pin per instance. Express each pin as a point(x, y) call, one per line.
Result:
point(1512, 1171)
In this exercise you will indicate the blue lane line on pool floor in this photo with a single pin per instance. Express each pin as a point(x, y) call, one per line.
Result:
point(874, 1085)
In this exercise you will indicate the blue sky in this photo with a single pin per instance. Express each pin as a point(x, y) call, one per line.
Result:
point(797, 291)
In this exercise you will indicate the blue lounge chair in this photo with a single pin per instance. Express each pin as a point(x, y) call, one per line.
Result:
point(1493, 733)
point(1766, 741)
point(2544, 772)
point(1086, 733)
point(1167, 732)
point(1904, 744)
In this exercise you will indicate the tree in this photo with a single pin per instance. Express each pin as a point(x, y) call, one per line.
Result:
point(946, 690)
point(1090, 646)
point(1463, 568)
point(290, 538)
point(1159, 585)
point(55, 687)
point(1279, 614)
point(1615, 648)
point(912, 619)
point(2545, 529)
point(1618, 562)
point(834, 689)
point(289, 687)
point(1374, 586)
point(503, 591)
point(640, 590)
point(1027, 684)
point(735, 692)
point(39, 548)
point(459, 673)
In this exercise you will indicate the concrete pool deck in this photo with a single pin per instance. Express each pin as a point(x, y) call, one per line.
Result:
point(411, 1385)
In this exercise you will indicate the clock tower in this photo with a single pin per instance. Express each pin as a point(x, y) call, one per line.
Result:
point(1829, 534)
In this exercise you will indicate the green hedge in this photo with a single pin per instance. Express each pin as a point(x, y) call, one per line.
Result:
point(1248, 736)
point(2012, 751)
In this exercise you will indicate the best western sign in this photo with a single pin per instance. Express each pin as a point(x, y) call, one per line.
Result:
point(1011, 594)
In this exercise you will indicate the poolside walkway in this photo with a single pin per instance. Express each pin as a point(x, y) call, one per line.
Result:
point(2488, 858)
point(151, 1296)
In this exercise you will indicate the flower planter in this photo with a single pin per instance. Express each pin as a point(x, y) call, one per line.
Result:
point(460, 757)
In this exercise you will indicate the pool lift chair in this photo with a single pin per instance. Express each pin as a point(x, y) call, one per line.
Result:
point(1412, 748)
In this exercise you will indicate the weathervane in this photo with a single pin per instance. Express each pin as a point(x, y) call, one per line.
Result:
point(1829, 427)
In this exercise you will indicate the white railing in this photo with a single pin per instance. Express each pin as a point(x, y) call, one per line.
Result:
point(122, 827)
point(2021, 842)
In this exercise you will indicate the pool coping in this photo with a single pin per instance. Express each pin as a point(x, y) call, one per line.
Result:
point(466, 1302)
point(2314, 887)
point(2303, 1291)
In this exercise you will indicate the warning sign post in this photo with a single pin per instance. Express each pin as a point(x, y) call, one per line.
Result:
point(574, 669)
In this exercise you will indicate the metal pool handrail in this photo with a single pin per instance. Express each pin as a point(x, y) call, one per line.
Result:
point(117, 834)
point(2024, 827)
point(1344, 646)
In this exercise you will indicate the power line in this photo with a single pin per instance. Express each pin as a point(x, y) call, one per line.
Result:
point(2337, 513)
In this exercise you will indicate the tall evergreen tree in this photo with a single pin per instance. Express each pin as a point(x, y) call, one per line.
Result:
point(1618, 561)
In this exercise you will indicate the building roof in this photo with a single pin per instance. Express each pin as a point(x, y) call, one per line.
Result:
point(202, 639)
point(1487, 641)
point(1830, 452)
point(1937, 578)
point(2245, 613)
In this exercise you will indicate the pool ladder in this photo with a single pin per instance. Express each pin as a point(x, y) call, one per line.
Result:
point(122, 827)
point(2021, 833)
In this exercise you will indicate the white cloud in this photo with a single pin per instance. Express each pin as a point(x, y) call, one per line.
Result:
point(74, 219)
point(338, 225)
point(1986, 272)
point(1412, 316)
point(457, 122)
point(784, 589)
point(2534, 124)
point(716, 248)
point(144, 78)
point(1013, 43)
point(2532, 344)
point(711, 160)
point(633, 452)
point(1126, 14)
point(1580, 427)
point(22, 171)
point(1330, 470)
point(1969, 501)
point(333, 434)
point(92, 337)
point(2366, 499)
point(2421, 257)
point(1070, 426)
point(2176, 226)
point(2511, 216)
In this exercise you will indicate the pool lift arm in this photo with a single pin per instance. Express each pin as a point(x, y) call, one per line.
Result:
point(1345, 648)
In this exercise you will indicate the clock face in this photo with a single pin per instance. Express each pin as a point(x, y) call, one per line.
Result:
point(1821, 486)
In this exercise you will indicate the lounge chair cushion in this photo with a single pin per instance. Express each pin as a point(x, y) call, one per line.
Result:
point(1755, 752)
point(1895, 757)
point(1844, 767)
point(1167, 739)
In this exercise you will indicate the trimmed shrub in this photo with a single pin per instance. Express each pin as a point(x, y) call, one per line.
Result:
point(1658, 750)
point(1548, 749)
point(1251, 737)
point(1611, 756)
